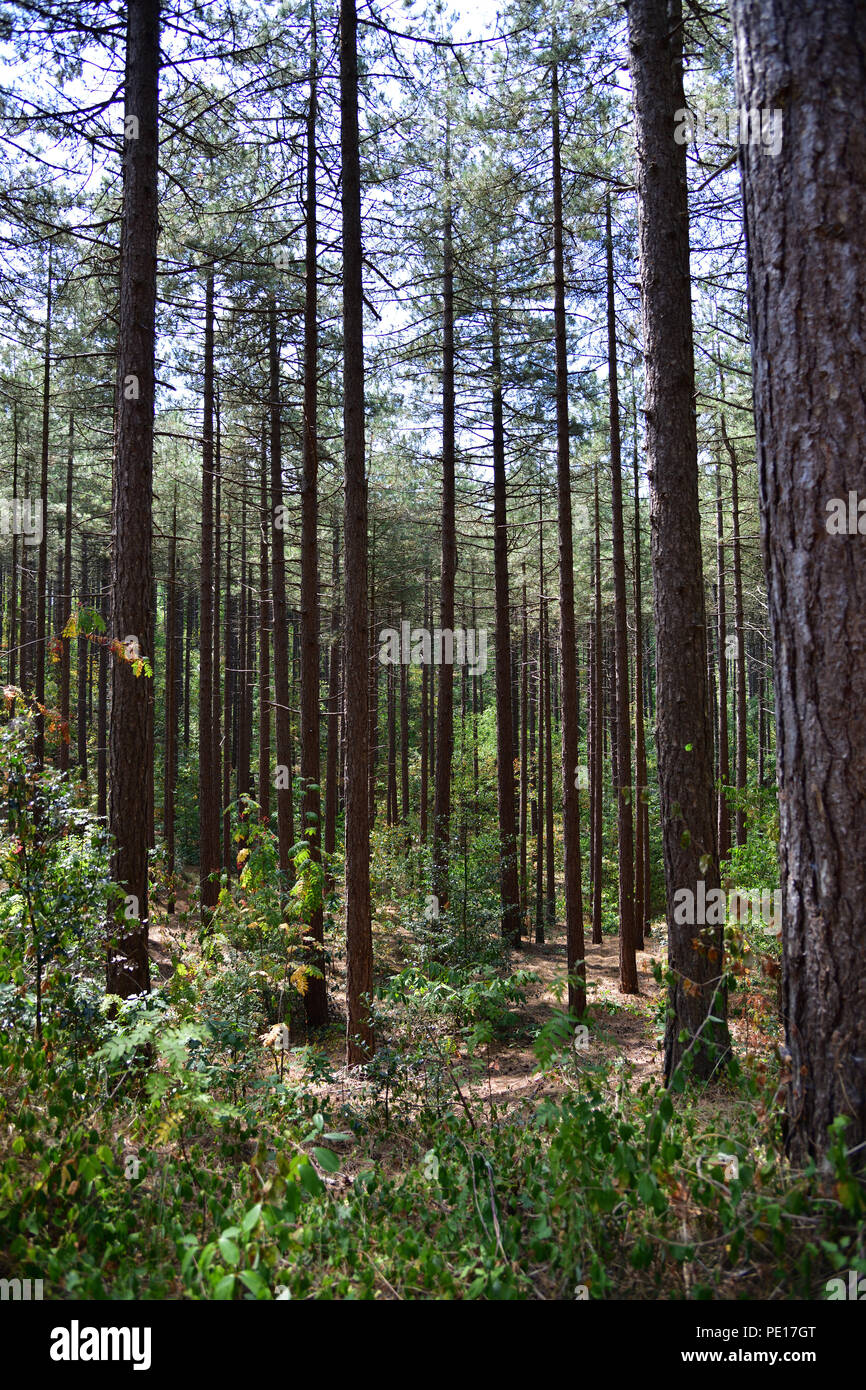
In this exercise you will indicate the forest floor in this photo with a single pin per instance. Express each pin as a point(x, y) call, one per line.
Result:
point(623, 1026)
point(625, 1029)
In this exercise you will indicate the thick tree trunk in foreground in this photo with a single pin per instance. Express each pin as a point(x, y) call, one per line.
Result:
point(805, 221)
point(131, 733)
point(359, 940)
point(683, 738)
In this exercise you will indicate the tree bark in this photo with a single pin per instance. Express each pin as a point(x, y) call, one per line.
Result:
point(509, 892)
point(216, 718)
point(331, 797)
point(684, 741)
point(42, 563)
point(264, 644)
point(103, 583)
point(740, 630)
point(359, 941)
point(12, 665)
point(524, 756)
point(282, 720)
point(170, 754)
point(82, 672)
point(598, 734)
point(208, 795)
point(315, 999)
point(445, 702)
point(425, 721)
point(628, 941)
point(570, 793)
point(66, 606)
point(229, 702)
point(641, 855)
point(131, 732)
point(550, 895)
point(724, 818)
point(805, 215)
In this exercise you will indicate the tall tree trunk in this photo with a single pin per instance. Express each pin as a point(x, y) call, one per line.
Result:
point(724, 818)
point(805, 219)
point(524, 756)
point(264, 644)
point(42, 571)
point(216, 718)
point(208, 795)
point(762, 719)
point(170, 756)
point(373, 735)
point(684, 741)
point(540, 914)
point(250, 678)
point(243, 679)
point(128, 970)
point(404, 747)
point(12, 666)
point(550, 895)
point(598, 735)
point(445, 702)
point(190, 614)
point(82, 672)
point(359, 941)
point(641, 854)
point(66, 606)
point(628, 933)
point(740, 630)
point(425, 721)
point(391, 789)
point(229, 688)
point(315, 999)
point(103, 583)
point(570, 792)
point(282, 720)
point(509, 892)
point(331, 790)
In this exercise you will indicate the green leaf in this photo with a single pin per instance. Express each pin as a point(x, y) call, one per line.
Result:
point(310, 1180)
point(251, 1219)
point(229, 1250)
point(326, 1159)
point(224, 1290)
point(255, 1283)
point(645, 1187)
